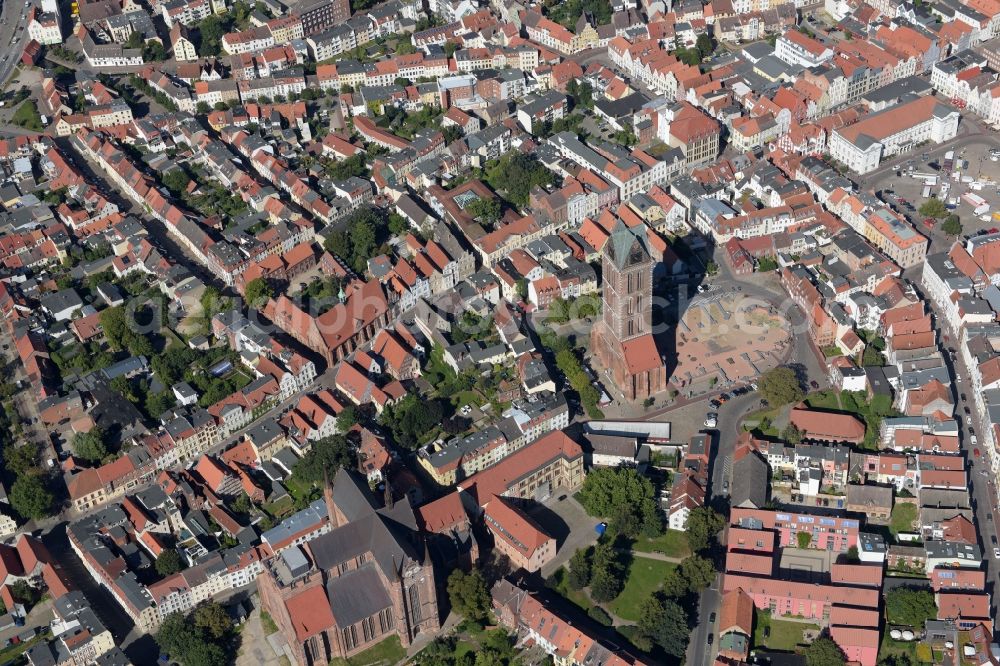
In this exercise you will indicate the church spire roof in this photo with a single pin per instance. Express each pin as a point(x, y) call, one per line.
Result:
point(628, 246)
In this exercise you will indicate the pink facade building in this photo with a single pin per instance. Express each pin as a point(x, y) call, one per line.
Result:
point(828, 532)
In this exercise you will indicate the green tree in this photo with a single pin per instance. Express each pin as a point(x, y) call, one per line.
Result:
point(704, 45)
point(521, 287)
point(21, 459)
point(665, 623)
point(211, 31)
point(326, 456)
point(604, 586)
point(702, 525)
point(353, 166)
point(515, 174)
point(176, 180)
point(579, 570)
point(485, 210)
point(337, 243)
point(405, 46)
point(213, 619)
point(780, 386)
point(804, 539)
point(690, 57)
point(90, 445)
point(468, 594)
point(791, 434)
point(258, 292)
point(347, 419)
point(411, 419)
point(952, 225)
point(675, 586)
point(169, 562)
point(134, 40)
point(824, 652)
point(698, 571)
point(153, 51)
point(766, 264)
point(872, 357)
point(607, 577)
point(24, 593)
point(452, 133)
point(624, 496)
point(30, 497)
point(933, 207)
point(910, 606)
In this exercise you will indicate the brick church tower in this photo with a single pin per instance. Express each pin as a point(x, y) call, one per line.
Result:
point(623, 339)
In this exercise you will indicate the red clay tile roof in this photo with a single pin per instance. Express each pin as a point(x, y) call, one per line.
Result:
point(498, 479)
point(310, 612)
point(736, 613)
point(856, 574)
point(828, 426)
point(515, 527)
point(442, 514)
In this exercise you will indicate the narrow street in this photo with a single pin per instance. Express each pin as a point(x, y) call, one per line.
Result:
point(982, 485)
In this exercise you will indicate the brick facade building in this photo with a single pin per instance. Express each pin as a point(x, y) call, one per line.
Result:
point(623, 339)
point(368, 578)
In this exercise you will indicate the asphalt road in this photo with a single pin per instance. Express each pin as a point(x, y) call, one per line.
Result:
point(982, 484)
point(970, 132)
point(802, 354)
point(13, 35)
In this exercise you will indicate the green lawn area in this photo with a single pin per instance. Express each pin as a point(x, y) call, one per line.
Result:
point(467, 398)
point(386, 653)
point(463, 648)
point(9, 655)
point(857, 404)
point(889, 648)
point(27, 116)
point(785, 635)
point(825, 400)
point(753, 421)
point(672, 543)
point(280, 508)
point(644, 576)
point(578, 597)
point(902, 517)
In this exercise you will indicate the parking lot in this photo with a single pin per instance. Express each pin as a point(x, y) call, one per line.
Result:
point(978, 169)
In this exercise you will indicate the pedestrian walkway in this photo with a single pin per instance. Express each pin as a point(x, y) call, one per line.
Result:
point(255, 650)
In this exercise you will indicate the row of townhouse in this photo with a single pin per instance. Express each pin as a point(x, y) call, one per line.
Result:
point(107, 55)
point(889, 232)
point(652, 64)
point(552, 35)
point(965, 80)
point(186, 12)
point(348, 72)
point(843, 604)
point(451, 462)
point(141, 526)
point(261, 157)
point(143, 190)
point(280, 83)
point(632, 172)
point(961, 284)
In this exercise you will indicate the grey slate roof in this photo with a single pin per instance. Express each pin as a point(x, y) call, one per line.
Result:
point(750, 482)
point(357, 595)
